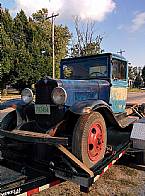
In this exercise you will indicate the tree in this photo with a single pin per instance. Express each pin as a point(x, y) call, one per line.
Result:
point(27, 47)
point(7, 21)
point(143, 73)
point(87, 43)
point(7, 47)
point(131, 73)
point(138, 81)
point(20, 29)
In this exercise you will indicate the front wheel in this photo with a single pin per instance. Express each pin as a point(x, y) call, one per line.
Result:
point(90, 139)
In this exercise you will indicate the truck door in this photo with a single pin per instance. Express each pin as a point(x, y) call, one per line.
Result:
point(119, 84)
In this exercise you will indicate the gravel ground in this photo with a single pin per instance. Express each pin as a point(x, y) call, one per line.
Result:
point(118, 181)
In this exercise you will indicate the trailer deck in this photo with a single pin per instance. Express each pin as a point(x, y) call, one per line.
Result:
point(14, 182)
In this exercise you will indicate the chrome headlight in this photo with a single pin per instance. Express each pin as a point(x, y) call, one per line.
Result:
point(59, 95)
point(27, 95)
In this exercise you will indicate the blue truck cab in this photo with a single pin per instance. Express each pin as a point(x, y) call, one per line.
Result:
point(99, 77)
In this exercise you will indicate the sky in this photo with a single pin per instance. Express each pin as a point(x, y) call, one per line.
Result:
point(120, 22)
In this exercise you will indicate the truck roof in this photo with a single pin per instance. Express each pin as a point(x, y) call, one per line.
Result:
point(116, 56)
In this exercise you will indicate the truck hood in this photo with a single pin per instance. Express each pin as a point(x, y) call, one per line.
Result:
point(80, 90)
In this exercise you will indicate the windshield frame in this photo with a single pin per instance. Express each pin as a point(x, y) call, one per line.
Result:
point(87, 62)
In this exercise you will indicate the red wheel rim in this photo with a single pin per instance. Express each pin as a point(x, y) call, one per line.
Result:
point(95, 142)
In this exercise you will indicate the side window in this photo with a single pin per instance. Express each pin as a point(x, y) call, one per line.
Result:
point(119, 69)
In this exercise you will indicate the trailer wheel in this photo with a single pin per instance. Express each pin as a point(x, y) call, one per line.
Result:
point(90, 139)
point(9, 122)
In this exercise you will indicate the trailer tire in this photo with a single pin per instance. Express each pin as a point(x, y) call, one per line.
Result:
point(90, 139)
point(9, 122)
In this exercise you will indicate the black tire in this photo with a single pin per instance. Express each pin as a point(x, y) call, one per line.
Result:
point(140, 158)
point(9, 122)
point(90, 129)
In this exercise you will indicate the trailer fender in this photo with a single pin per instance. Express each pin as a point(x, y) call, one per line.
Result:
point(87, 106)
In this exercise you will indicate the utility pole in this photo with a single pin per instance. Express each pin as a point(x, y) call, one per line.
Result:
point(53, 16)
point(121, 52)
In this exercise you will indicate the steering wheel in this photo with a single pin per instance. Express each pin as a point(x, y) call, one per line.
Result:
point(97, 74)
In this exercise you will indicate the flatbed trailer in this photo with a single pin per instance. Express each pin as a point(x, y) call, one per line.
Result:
point(30, 183)
point(27, 178)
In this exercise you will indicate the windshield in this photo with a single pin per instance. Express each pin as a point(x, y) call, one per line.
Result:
point(85, 69)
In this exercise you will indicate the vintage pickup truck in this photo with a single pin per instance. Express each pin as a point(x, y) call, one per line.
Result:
point(76, 126)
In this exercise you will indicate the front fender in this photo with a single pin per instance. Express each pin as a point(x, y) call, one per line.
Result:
point(83, 107)
point(87, 106)
point(12, 103)
point(23, 111)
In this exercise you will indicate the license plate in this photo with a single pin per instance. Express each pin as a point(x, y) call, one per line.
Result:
point(42, 109)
